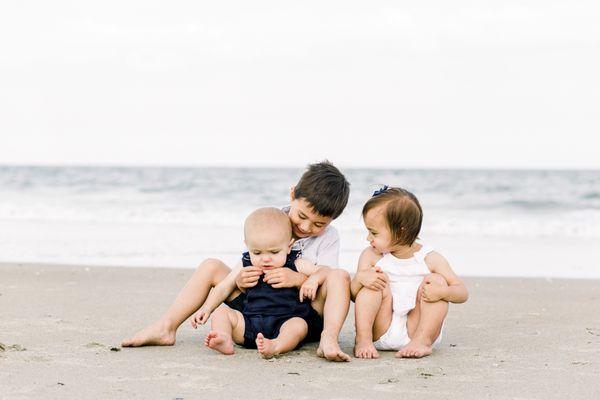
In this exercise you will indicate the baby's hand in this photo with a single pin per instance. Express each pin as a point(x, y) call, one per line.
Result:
point(309, 288)
point(248, 277)
point(283, 278)
point(200, 317)
point(432, 292)
point(374, 278)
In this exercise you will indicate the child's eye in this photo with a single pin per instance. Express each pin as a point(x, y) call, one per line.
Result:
point(275, 252)
point(256, 253)
point(301, 216)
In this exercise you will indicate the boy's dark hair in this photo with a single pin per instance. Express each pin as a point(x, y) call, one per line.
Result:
point(325, 188)
point(403, 213)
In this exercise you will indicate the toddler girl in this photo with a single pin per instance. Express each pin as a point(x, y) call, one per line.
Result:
point(402, 286)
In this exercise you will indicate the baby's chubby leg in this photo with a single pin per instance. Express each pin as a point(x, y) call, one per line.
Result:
point(290, 334)
point(373, 316)
point(425, 321)
point(227, 326)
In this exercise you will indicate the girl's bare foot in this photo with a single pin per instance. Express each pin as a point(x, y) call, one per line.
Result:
point(415, 349)
point(330, 349)
point(266, 347)
point(365, 349)
point(158, 334)
point(220, 342)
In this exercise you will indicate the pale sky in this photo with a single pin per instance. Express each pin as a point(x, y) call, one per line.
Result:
point(496, 84)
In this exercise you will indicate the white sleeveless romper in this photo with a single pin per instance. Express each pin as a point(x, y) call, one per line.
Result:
point(406, 275)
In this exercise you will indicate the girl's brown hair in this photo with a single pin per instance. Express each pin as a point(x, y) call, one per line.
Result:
point(403, 213)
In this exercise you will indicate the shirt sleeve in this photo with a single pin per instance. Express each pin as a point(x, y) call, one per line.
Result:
point(328, 253)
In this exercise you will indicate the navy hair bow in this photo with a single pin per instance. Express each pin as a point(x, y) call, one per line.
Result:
point(380, 191)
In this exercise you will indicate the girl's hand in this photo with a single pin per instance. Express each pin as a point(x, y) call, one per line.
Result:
point(200, 317)
point(283, 278)
point(248, 277)
point(374, 278)
point(309, 288)
point(432, 292)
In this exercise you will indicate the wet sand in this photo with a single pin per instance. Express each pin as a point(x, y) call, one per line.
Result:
point(61, 326)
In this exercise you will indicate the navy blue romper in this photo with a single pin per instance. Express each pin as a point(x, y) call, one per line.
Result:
point(266, 308)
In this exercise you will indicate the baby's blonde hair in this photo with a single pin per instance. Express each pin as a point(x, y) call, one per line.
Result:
point(268, 218)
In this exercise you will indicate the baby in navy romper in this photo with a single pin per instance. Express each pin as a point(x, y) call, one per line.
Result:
point(272, 320)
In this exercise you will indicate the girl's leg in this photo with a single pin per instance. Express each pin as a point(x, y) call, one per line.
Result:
point(291, 334)
point(424, 323)
point(332, 303)
point(190, 298)
point(227, 326)
point(373, 316)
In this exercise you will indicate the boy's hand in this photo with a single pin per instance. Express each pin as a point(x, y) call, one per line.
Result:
point(248, 277)
point(374, 278)
point(432, 292)
point(200, 317)
point(283, 278)
point(309, 288)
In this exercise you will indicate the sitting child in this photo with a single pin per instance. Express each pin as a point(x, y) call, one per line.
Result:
point(273, 320)
point(402, 287)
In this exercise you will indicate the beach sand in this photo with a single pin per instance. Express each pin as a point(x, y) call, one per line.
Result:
point(61, 326)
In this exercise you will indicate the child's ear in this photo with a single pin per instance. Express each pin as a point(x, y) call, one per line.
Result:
point(292, 193)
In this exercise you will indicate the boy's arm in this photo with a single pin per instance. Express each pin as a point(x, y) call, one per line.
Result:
point(455, 292)
point(316, 276)
point(217, 296)
point(367, 274)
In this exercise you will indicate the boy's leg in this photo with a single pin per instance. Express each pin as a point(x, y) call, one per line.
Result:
point(424, 323)
point(190, 298)
point(290, 335)
point(227, 326)
point(373, 316)
point(333, 302)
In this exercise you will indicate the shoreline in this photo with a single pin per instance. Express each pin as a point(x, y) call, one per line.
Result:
point(59, 265)
point(532, 338)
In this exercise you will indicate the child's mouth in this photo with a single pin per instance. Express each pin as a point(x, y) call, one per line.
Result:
point(299, 232)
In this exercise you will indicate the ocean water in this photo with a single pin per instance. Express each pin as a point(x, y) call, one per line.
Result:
point(487, 222)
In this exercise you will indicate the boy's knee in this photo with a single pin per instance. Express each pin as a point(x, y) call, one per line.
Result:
point(437, 279)
point(210, 265)
point(339, 275)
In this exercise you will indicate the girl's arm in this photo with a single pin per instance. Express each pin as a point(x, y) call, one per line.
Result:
point(367, 275)
point(456, 291)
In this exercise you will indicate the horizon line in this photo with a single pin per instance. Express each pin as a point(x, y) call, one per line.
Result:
point(288, 166)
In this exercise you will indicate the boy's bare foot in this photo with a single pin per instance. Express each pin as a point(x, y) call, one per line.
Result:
point(220, 342)
point(330, 349)
point(265, 347)
point(157, 334)
point(365, 349)
point(414, 349)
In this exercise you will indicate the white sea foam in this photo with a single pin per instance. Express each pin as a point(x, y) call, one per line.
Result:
point(174, 217)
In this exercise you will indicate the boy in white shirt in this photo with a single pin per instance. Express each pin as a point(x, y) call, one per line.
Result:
point(319, 197)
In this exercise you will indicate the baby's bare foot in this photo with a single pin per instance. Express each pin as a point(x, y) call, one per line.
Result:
point(415, 349)
point(220, 342)
point(365, 349)
point(265, 347)
point(157, 334)
point(330, 349)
